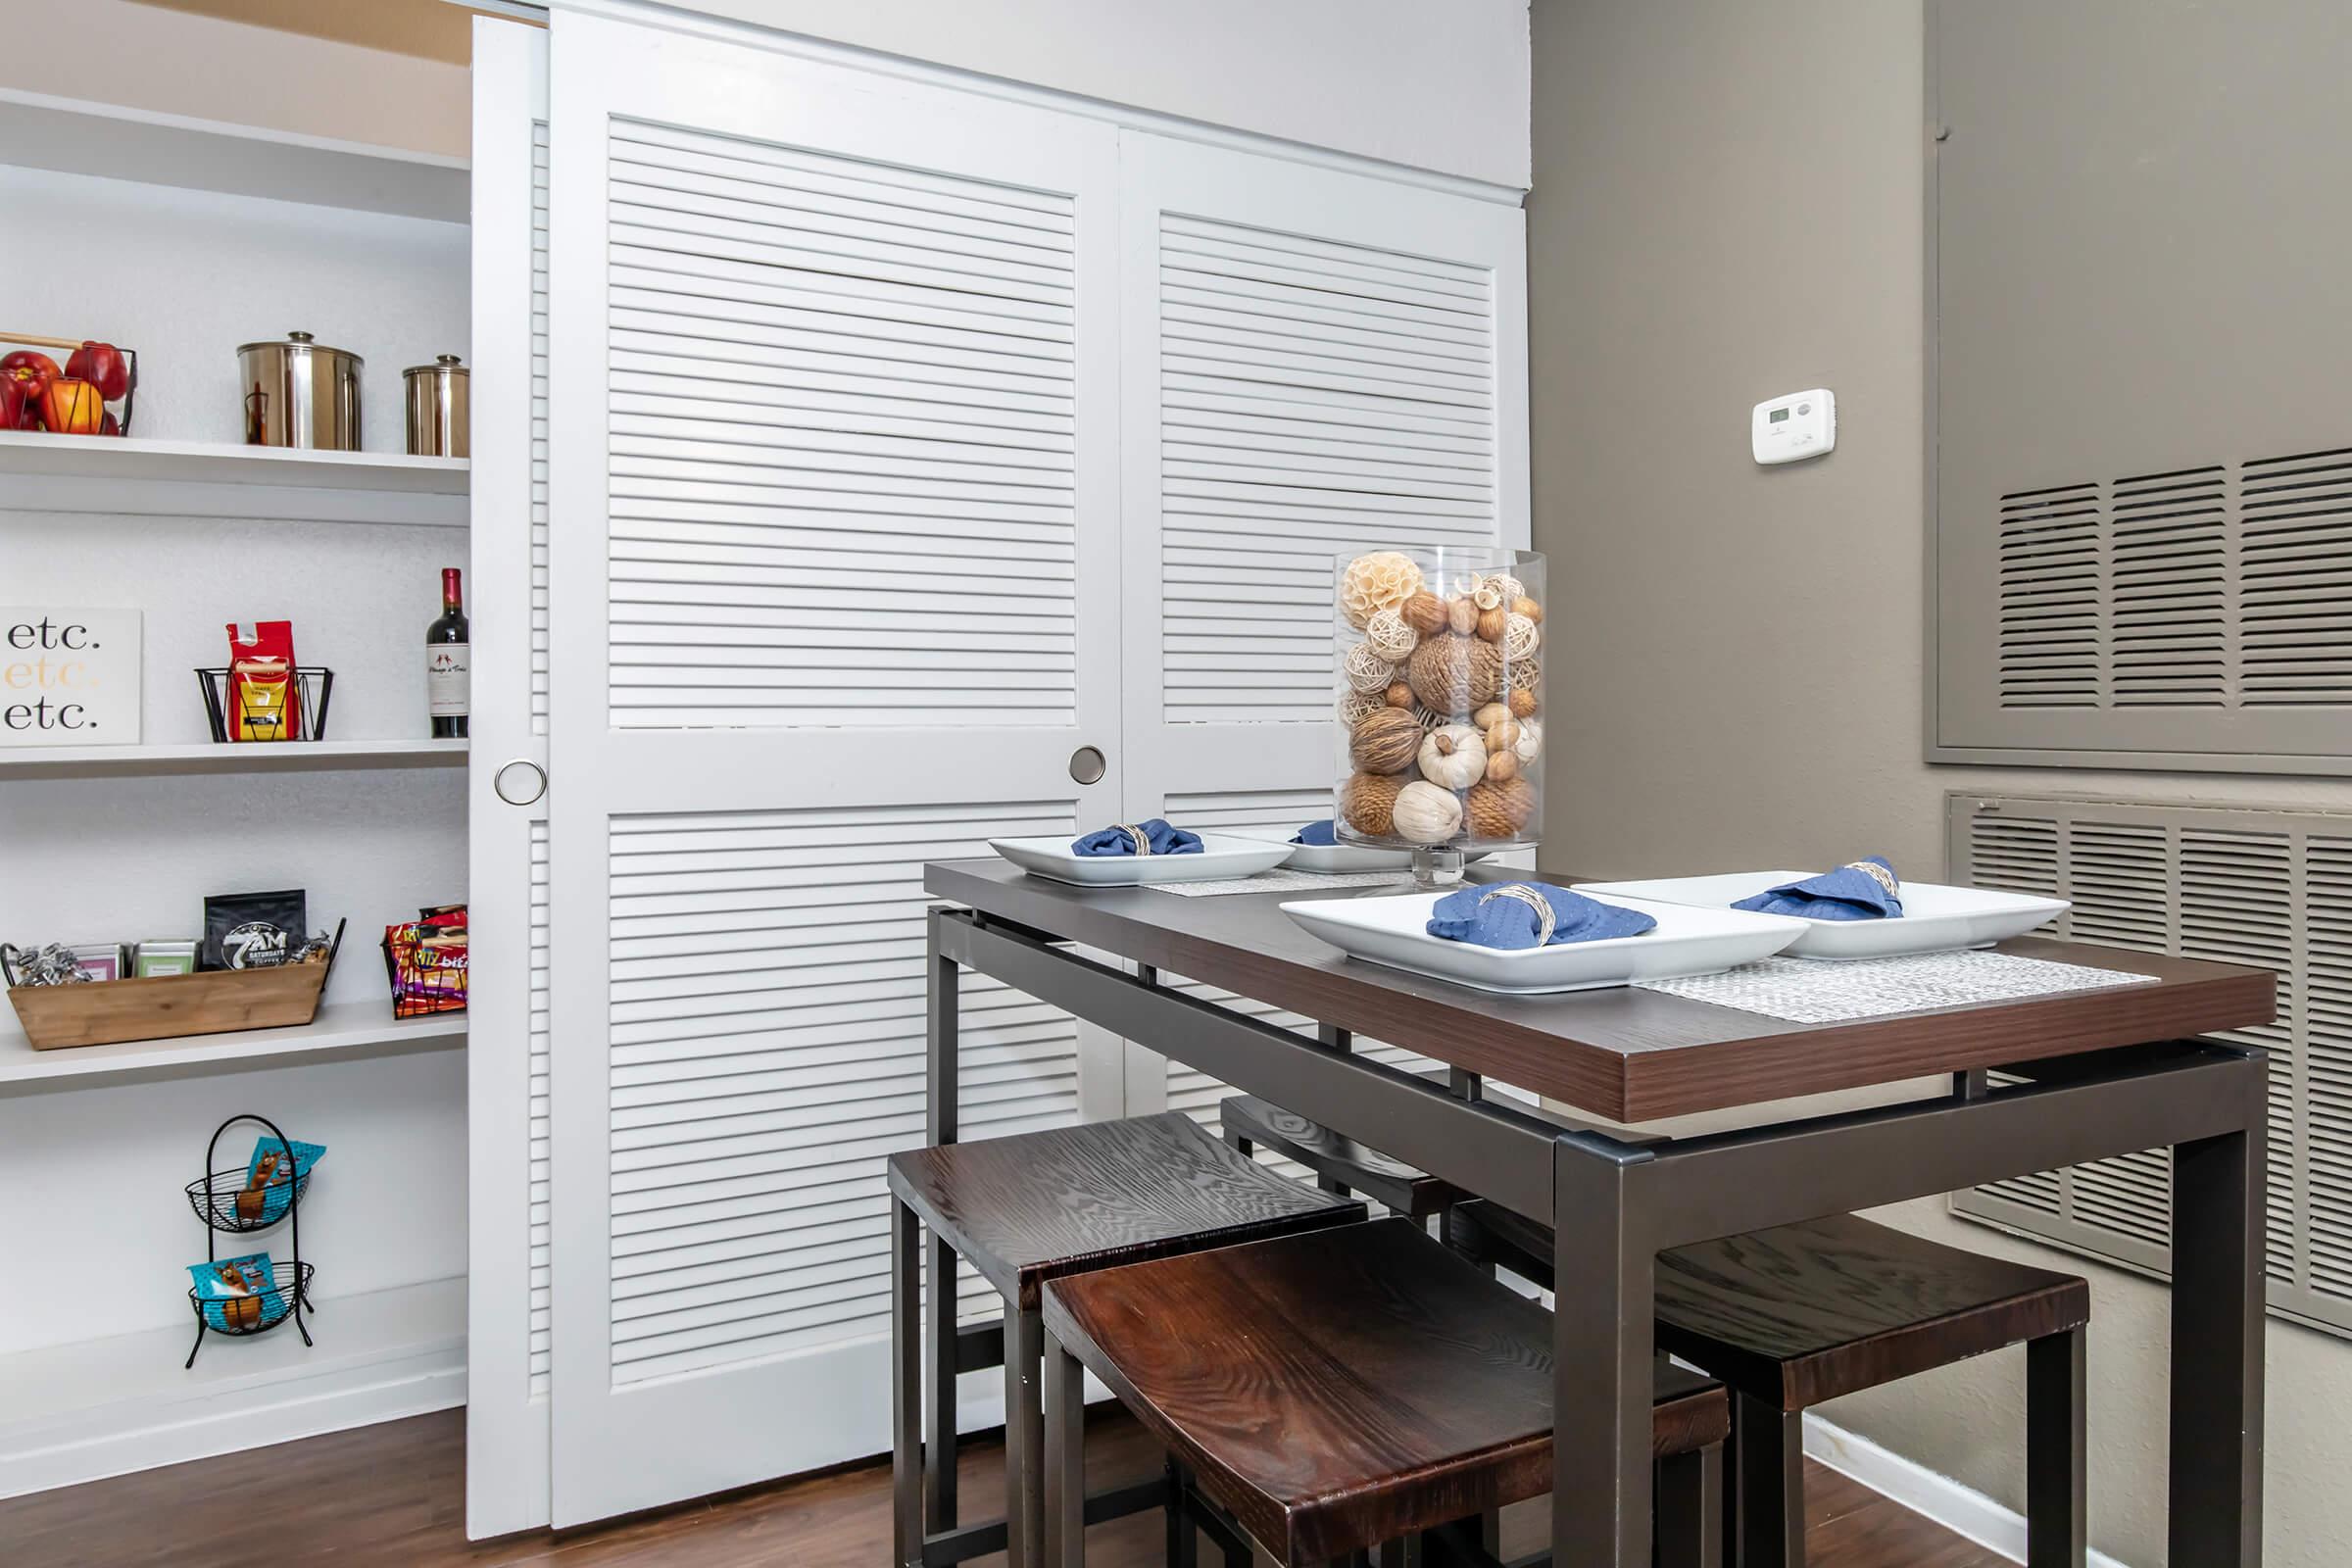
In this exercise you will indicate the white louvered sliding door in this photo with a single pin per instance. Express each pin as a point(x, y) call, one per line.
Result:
point(1312, 361)
point(836, 583)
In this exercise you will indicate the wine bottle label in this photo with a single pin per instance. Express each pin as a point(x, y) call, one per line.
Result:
point(448, 680)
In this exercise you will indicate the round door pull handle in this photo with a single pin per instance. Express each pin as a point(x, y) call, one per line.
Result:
point(1088, 765)
point(520, 782)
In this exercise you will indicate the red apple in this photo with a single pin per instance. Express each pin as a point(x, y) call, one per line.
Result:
point(70, 406)
point(12, 402)
point(30, 365)
point(102, 365)
point(110, 425)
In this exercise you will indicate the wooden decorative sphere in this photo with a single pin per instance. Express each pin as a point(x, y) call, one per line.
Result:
point(1498, 808)
point(1380, 581)
point(1522, 701)
point(1383, 741)
point(1366, 802)
point(1425, 613)
point(1454, 675)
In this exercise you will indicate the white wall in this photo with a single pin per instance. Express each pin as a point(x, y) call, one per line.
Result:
point(1439, 84)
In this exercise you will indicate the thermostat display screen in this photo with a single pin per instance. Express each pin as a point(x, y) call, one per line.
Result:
point(1776, 416)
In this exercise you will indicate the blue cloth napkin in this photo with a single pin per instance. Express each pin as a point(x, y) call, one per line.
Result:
point(1848, 892)
point(1503, 914)
point(1318, 833)
point(1115, 840)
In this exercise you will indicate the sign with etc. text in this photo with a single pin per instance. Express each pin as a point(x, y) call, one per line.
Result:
point(68, 677)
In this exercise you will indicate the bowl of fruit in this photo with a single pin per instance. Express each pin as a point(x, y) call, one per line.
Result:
point(37, 393)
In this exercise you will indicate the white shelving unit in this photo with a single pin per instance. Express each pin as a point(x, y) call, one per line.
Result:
point(137, 478)
point(342, 1029)
point(291, 757)
point(227, 233)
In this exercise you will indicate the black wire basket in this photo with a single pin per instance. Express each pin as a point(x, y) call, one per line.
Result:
point(260, 1311)
point(224, 1201)
point(314, 688)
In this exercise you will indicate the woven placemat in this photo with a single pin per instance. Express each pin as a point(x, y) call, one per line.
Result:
point(1280, 880)
point(1813, 991)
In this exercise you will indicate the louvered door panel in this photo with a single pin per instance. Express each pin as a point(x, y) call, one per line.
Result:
point(826, 373)
point(834, 405)
point(2272, 890)
point(1313, 363)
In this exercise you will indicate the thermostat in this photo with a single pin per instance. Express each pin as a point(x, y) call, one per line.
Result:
point(1800, 424)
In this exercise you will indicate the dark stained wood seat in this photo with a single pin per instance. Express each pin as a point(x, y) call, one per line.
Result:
point(1339, 1162)
point(1023, 1210)
point(1032, 1207)
point(1792, 1316)
point(1332, 1391)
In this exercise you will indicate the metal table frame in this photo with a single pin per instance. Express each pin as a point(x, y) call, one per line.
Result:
point(1615, 1202)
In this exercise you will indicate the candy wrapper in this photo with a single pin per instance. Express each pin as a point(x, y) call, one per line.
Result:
point(270, 1178)
point(426, 961)
point(52, 966)
point(239, 1293)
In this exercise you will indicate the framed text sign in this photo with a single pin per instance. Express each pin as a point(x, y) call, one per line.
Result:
point(69, 677)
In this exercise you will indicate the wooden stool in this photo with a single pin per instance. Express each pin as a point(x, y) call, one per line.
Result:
point(1022, 1210)
point(1340, 1163)
point(1795, 1315)
point(1341, 1390)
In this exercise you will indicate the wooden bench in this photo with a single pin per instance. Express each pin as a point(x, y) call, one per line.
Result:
point(1023, 1210)
point(1343, 1390)
point(1795, 1315)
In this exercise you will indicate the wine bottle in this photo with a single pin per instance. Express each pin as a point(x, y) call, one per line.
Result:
point(448, 663)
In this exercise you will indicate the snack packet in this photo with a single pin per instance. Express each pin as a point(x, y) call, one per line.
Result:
point(236, 1292)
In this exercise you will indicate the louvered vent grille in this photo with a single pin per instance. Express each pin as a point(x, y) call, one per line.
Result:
point(823, 371)
point(767, 1053)
point(1315, 396)
point(2270, 890)
point(2214, 587)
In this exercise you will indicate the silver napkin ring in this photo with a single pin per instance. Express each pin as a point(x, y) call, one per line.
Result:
point(1877, 873)
point(1546, 918)
point(1141, 839)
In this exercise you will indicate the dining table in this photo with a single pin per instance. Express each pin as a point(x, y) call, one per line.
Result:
point(2005, 1089)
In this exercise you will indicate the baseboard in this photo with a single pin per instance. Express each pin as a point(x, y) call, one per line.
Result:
point(1959, 1510)
point(96, 1408)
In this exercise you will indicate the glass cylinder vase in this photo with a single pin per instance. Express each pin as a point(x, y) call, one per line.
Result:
point(1438, 681)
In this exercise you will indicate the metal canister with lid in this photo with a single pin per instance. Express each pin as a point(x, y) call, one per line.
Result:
point(300, 393)
point(438, 408)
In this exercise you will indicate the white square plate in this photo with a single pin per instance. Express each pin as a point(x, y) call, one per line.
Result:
point(1222, 855)
point(1394, 930)
point(1935, 918)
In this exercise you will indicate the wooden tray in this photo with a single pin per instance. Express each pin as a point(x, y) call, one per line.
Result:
point(108, 1012)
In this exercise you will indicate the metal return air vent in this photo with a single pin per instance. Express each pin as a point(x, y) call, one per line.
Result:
point(2271, 889)
point(2222, 587)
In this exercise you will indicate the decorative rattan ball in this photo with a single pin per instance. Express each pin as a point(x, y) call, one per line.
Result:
point(1506, 588)
point(1426, 814)
point(1383, 741)
point(1355, 704)
point(1499, 808)
point(1387, 635)
point(1367, 671)
point(1370, 584)
point(1425, 613)
point(1366, 801)
point(1525, 674)
point(1520, 638)
point(1454, 675)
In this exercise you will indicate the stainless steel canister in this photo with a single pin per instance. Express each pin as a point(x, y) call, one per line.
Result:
point(437, 412)
point(299, 393)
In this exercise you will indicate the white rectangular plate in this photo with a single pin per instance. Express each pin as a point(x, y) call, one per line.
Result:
point(1935, 918)
point(1684, 942)
point(1345, 857)
point(1222, 856)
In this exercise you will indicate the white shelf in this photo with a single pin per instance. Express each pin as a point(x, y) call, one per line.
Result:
point(289, 756)
point(134, 475)
point(76, 136)
point(89, 1409)
point(342, 1029)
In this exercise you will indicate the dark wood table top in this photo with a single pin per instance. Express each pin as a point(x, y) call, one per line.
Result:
point(1626, 1054)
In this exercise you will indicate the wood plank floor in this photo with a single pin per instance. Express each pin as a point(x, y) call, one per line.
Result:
point(394, 1494)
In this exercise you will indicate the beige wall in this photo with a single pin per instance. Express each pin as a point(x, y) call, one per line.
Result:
point(1728, 205)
